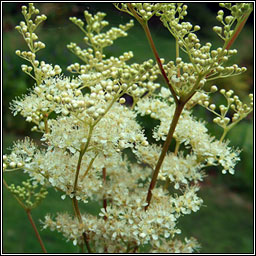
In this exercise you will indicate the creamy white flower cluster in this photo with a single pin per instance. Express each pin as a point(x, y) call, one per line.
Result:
point(128, 225)
point(192, 133)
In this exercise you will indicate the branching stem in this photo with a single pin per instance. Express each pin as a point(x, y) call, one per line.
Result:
point(28, 211)
point(165, 148)
point(152, 45)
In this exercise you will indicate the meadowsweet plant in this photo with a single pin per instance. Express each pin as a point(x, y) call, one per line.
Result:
point(87, 125)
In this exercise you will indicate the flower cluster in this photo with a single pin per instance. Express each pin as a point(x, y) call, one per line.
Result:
point(237, 12)
point(125, 226)
point(27, 29)
point(143, 10)
point(28, 194)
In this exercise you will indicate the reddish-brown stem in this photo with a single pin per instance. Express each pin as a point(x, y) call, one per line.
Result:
point(151, 42)
point(165, 148)
point(28, 211)
point(78, 214)
point(237, 31)
point(75, 203)
point(152, 45)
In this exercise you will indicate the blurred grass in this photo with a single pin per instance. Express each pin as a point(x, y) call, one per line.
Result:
point(225, 224)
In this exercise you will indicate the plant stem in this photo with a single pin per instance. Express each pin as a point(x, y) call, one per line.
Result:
point(179, 104)
point(237, 30)
point(78, 214)
point(177, 55)
point(28, 211)
point(177, 146)
point(166, 145)
point(77, 172)
point(46, 123)
point(18, 200)
point(75, 203)
point(88, 168)
point(152, 45)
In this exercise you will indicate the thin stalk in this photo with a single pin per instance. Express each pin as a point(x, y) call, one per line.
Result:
point(177, 54)
point(82, 248)
point(237, 30)
point(224, 134)
point(165, 148)
point(75, 203)
point(104, 176)
point(28, 211)
point(177, 146)
point(46, 123)
point(77, 172)
point(78, 214)
point(167, 182)
point(18, 200)
point(88, 168)
point(152, 45)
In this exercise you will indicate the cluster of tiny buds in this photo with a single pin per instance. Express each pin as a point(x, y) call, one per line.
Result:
point(96, 21)
point(95, 61)
point(32, 10)
point(169, 11)
point(48, 70)
point(27, 55)
point(238, 9)
point(7, 163)
point(44, 70)
point(30, 25)
point(95, 24)
point(26, 191)
point(145, 10)
point(29, 37)
point(106, 90)
point(240, 110)
point(227, 24)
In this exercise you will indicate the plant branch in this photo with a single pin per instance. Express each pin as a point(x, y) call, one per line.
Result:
point(79, 217)
point(237, 30)
point(18, 200)
point(75, 203)
point(28, 211)
point(152, 45)
point(165, 148)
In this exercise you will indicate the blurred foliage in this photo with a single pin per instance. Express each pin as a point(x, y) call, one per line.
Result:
point(222, 212)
